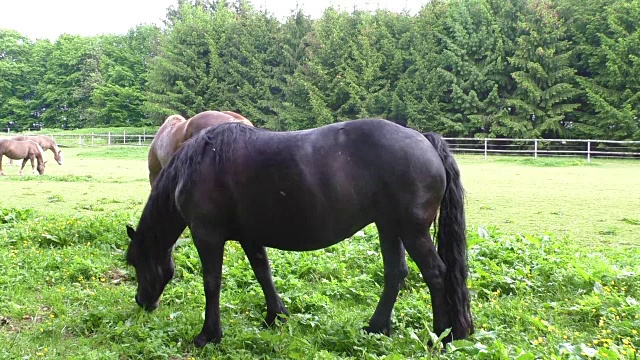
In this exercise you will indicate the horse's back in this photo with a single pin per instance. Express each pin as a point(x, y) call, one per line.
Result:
point(238, 117)
point(207, 119)
point(176, 130)
point(17, 149)
point(323, 184)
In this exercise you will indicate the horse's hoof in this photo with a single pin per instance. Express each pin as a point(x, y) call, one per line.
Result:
point(202, 340)
point(384, 330)
point(281, 315)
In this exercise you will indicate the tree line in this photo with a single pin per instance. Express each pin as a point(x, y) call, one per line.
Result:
point(496, 68)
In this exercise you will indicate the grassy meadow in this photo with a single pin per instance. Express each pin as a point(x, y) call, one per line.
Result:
point(554, 250)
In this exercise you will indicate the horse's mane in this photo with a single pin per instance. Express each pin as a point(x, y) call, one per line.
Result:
point(218, 141)
point(160, 211)
point(50, 142)
point(180, 172)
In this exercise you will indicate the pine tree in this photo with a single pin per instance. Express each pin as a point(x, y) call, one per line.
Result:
point(293, 36)
point(608, 44)
point(472, 60)
point(119, 100)
point(544, 91)
point(251, 54)
point(185, 71)
point(416, 97)
point(66, 89)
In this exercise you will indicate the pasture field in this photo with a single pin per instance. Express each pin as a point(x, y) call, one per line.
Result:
point(554, 251)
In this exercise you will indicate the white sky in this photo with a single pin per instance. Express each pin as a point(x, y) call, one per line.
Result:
point(50, 18)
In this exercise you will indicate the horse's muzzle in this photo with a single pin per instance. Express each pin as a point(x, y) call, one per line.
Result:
point(148, 307)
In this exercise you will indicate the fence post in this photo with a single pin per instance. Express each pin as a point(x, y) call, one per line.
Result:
point(124, 136)
point(139, 140)
point(109, 138)
point(91, 139)
point(535, 148)
point(485, 148)
point(588, 151)
point(80, 140)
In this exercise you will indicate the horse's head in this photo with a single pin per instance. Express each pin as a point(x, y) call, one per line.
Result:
point(154, 269)
point(40, 166)
point(58, 157)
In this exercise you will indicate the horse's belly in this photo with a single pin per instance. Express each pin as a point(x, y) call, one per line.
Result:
point(302, 235)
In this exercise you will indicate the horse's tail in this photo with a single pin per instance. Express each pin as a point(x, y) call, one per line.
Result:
point(452, 241)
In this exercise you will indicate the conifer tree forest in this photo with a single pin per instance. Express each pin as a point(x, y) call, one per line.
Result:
point(496, 68)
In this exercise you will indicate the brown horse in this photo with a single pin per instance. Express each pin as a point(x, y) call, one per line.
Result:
point(176, 130)
point(45, 142)
point(22, 150)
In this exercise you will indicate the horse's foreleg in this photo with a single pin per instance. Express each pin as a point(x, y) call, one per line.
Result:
point(210, 247)
point(33, 167)
point(259, 261)
point(424, 253)
point(24, 162)
point(1, 171)
point(395, 271)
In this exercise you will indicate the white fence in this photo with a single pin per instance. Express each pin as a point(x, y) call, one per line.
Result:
point(68, 140)
point(547, 147)
point(486, 146)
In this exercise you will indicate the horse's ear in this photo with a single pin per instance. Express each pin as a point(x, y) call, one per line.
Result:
point(131, 232)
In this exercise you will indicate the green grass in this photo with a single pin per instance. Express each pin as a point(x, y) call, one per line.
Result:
point(587, 203)
point(554, 258)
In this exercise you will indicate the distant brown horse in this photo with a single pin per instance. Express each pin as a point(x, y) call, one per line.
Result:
point(176, 130)
point(22, 150)
point(45, 142)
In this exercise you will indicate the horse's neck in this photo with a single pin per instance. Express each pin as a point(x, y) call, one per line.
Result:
point(48, 144)
point(161, 222)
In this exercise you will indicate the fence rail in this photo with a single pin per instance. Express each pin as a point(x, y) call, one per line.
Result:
point(485, 146)
point(68, 140)
point(547, 147)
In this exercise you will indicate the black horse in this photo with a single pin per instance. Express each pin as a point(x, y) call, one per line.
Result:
point(307, 190)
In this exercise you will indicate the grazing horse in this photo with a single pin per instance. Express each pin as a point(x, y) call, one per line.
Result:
point(176, 130)
point(307, 190)
point(22, 150)
point(45, 142)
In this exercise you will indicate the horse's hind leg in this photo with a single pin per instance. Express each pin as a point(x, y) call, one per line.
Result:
point(423, 252)
point(395, 271)
point(1, 171)
point(259, 261)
